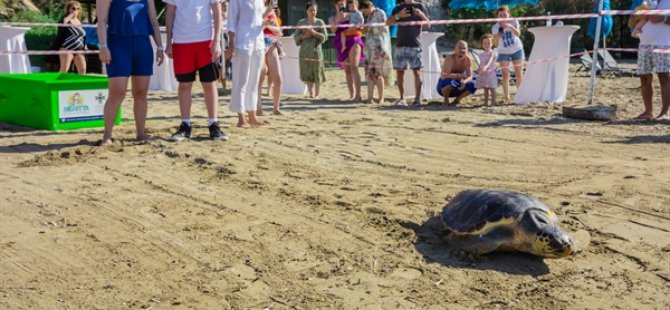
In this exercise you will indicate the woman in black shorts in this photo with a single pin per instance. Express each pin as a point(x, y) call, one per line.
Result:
point(71, 38)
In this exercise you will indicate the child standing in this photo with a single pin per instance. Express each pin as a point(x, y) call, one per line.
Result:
point(486, 78)
point(193, 41)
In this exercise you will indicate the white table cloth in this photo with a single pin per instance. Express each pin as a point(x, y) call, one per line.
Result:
point(12, 39)
point(431, 68)
point(547, 81)
point(163, 78)
point(290, 68)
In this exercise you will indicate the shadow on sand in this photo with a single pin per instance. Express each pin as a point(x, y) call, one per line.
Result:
point(430, 243)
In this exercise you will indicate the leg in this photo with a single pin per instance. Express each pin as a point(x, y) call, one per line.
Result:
point(256, 60)
point(261, 79)
point(664, 79)
point(518, 68)
point(317, 88)
point(140, 88)
point(274, 75)
point(460, 96)
point(117, 92)
point(350, 82)
point(65, 61)
point(493, 96)
point(184, 95)
point(354, 62)
point(400, 74)
point(380, 88)
point(310, 89)
point(243, 84)
point(80, 63)
point(417, 85)
point(241, 122)
point(370, 81)
point(486, 97)
point(504, 67)
point(647, 96)
point(445, 93)
point(211, 99)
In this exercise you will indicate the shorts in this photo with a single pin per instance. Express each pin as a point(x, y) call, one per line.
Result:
point(518, 55)
point(649, 62)
point(455, 92)
point(187, 58)
point(131, 56)
point(407, 57)
point(269, 42)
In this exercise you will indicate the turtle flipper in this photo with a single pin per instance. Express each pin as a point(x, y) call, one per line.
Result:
point(482, 244)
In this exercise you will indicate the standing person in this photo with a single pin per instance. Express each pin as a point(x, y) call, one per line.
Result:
point(124, 28)
point(271, 65)
point(337, 26)
point(510, 49)
point(486, 76)
point(226, 65)
point(193, 34)
point(245, 29)
point(408, 45)
point(456, 76)
point(352, 47)
point(654, 35)
point(71, 38)
point(377, 51)
point(310, 53)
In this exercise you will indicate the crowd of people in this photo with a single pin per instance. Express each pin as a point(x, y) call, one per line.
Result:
point(237, 40)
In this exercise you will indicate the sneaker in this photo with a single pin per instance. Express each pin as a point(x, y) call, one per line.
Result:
point(416, 104)
point(184, 132)
point(216, 134)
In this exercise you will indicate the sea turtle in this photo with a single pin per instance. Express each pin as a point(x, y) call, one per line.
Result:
point(483, 221)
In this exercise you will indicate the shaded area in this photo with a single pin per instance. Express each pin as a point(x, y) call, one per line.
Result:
point(431, 244)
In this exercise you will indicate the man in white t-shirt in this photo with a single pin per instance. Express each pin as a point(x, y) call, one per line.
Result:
point(193, 42)
point(655, 34)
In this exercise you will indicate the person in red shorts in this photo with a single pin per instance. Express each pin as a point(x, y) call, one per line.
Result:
point(193, 42)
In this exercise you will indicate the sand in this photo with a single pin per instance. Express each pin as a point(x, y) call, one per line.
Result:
point(333, 205)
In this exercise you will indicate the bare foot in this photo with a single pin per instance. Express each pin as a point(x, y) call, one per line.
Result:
point(106, 142)
point(644, 116)
point(662, 117)
point(144, 138)
point(243, 125)
point(401, 102)
point(369, 101)
point(357, 99)
point(277, 112)
point(316, 96)
point(381, 100)
point(256, 123)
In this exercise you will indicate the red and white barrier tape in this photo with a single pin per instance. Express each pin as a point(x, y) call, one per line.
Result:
point(414, 23)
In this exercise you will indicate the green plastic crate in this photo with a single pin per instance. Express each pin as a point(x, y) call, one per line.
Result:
point(53, 101)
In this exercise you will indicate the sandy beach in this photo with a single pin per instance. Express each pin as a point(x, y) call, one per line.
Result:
point(333, 206)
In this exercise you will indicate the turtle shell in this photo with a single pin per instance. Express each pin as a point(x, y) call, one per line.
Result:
point(478, 211)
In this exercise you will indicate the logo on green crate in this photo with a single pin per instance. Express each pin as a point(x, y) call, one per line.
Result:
point(76, 103)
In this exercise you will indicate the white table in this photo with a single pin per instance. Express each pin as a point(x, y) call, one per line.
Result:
point(12, 39)
point(547, 81)
point(290, 68)
point(431, 68)
point(163, 78)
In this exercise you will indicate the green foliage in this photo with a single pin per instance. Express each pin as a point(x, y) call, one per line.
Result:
point(37, 38)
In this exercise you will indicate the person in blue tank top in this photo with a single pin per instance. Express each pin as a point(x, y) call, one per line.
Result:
point(124, 28)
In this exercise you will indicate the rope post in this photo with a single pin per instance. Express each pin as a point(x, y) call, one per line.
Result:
point(599, 19)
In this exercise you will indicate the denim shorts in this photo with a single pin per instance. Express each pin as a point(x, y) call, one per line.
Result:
point(455, 91)
point(518, 55)
point(407, 57)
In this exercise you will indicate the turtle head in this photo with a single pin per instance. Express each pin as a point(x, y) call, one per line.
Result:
point(542, 235)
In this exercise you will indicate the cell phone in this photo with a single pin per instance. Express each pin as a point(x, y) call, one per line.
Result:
point(500, 29)
point(410, 10)
point(275, 3)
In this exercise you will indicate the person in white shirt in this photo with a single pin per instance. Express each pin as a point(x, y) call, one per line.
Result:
point(193, 41)
point(655, 34)
point(510, 48)
point(246, 48)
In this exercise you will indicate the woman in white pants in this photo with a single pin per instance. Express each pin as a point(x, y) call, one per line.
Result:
point(247, 48)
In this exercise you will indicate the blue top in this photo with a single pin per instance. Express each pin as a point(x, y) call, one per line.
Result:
point(129, 18)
